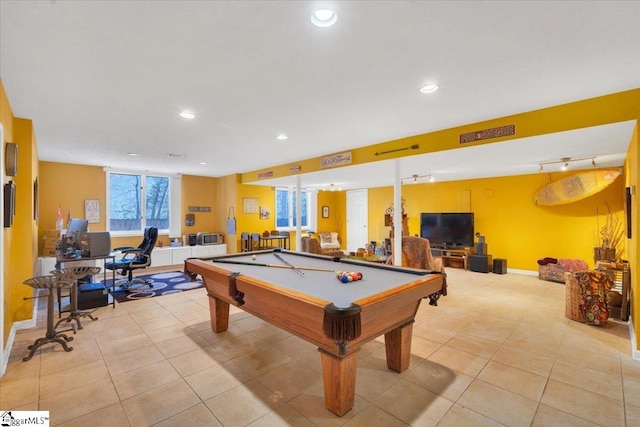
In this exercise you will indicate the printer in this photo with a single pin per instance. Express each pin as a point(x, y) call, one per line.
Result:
point(97, 243)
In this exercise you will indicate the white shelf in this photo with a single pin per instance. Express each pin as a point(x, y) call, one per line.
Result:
point(177, 254)
point(159, 256)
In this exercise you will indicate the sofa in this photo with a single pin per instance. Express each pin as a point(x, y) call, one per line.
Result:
point(554, 270)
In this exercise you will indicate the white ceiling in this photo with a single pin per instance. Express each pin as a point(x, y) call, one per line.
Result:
point(104, 79)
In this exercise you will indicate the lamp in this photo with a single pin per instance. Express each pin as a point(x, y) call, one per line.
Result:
point(566, 161)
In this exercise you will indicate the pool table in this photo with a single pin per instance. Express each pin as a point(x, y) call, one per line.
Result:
point(311, 303)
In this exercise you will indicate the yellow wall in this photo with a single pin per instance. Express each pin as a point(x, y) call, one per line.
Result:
point(199, 191)
point(89, 183)
point(20, 247)
point(632, 164)
point(514, 227)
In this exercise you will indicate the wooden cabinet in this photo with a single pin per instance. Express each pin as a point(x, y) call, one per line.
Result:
point(456, 258)
point(621, 284)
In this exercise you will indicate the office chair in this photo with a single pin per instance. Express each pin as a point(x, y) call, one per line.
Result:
point(134, 259)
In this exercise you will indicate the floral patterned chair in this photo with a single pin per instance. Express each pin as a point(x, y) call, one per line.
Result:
point(586, 296)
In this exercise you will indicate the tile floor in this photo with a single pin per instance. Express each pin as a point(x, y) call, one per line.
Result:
point(496, 351)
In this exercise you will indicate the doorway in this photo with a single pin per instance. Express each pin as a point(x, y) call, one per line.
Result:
point(357, 219)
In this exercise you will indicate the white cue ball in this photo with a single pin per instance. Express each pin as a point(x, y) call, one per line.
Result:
point(253, 257)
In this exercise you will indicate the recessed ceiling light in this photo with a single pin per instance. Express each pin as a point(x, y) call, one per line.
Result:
point(187, 115)
point(132, 154)
point(430, 88)
point(282, 137)
point(204, 163)
point(324, 18)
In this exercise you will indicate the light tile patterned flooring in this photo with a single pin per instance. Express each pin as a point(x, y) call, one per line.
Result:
point(496, 351)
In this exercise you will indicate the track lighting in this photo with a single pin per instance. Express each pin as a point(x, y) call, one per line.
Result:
point(332, 187)
point(565, 161)
point(415, 177)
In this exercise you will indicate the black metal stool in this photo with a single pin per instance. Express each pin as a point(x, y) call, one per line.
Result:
point(77, 273)
point(50, 283)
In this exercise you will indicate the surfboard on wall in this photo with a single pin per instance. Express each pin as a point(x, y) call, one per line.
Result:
point(575, 187)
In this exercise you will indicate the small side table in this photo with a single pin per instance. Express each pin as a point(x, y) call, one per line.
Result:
point(50, 283)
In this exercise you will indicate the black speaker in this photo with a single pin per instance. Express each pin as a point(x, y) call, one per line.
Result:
point(480, 263)
point(500, 266)
point(481, 249)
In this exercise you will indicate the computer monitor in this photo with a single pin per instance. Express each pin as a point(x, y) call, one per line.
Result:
point(76, 225)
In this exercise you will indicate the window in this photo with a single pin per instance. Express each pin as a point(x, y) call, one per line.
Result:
point(286, 209)
point(136, 201)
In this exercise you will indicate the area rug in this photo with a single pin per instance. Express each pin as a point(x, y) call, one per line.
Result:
point(163, 284)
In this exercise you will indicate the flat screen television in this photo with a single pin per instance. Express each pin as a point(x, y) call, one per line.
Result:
point(447, 229)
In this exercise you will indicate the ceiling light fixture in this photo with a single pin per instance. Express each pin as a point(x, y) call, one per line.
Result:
point(332, 187)
point(204, 163)
point(566, 161)
point(187, 114)
point(415, 177)
point(324, 18)
point(132, 154)
point(429, 88)
point(282, 137)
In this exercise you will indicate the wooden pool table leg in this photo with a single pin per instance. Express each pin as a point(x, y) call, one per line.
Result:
point(339, 376)
point(219, 312)
point(398, 345)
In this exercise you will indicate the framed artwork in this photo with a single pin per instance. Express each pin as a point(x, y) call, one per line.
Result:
point(627, 203)
point(250, 205)
point(36, 209)
point(265, 212)
point(92, 211)
point(325, 212)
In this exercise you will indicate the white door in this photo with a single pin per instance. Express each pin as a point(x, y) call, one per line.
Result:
point(357, 219)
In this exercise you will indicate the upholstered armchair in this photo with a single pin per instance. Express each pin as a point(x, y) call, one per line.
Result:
point(329, 241)
point(311, 245)
point(416, 253)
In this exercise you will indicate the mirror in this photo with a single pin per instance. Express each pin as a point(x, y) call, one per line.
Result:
point(190, 220)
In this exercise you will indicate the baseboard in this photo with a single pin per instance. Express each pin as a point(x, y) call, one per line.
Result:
point(15, 327)
point(635, 352)
point(524, 272)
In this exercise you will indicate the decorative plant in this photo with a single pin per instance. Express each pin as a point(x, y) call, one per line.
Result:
point(610, 236)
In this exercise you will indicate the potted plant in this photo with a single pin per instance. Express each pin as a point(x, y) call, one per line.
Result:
point(610, 238)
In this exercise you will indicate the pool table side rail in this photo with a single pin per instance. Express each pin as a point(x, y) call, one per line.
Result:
point(302, 315)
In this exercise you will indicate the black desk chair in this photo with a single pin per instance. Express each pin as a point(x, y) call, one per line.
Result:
point(134, 259)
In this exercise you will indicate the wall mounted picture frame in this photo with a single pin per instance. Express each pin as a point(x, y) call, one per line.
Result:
point(250, 205)
point(265, 212)
point(36, 196)
point(325, 212)
point(9, 195)
point(92, 211)
point(627, 204)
